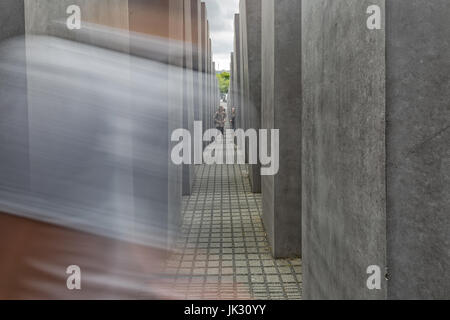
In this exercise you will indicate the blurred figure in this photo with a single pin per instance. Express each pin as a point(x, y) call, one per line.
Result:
point(220, 119)
point(233, 118)
point(85, 178)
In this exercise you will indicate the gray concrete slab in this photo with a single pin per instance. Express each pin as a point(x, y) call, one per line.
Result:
point(214, 102)
point(209, 83)
point(250, 24)
point(204, 27)
point(12, 22)
point(14, 167)
point(210, 86)
point(188, 90)
point(281, 109)
point(417, 140)
point(343, 131)
point(230, 89)
point(240, 75)
point(237, 71)
point(375, 132)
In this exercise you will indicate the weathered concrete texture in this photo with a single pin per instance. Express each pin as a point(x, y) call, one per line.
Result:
point(188, 91)
point(209, 88)
point(12, 21)
point(214, 105)
point(14, 168)
point(237, 71)
point(240, 75)
point(418, 157)
point(204, 46)
point(250, 26)
point(352, 154)
point(343, 125)
point(281, 109)
point(230, 101)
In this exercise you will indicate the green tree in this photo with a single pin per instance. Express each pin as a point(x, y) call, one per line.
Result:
point(224, 81)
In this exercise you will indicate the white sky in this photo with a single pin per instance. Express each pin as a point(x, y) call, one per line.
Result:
point(221, 16)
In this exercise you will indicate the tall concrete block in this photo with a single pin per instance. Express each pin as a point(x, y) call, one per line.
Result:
point(281, 109)
point(14, 167)
point(244, 110)
point(250, 25)
point(12, 22)
point(207, 72)
point(210, 85)
point(230, 89)
point(417, 142)
point(204, 46)
point(215, 96)
point(375, 149)
point(188, 90)
point(237, 71)
point(343, 187)
point(208, 79)
point(214, 84)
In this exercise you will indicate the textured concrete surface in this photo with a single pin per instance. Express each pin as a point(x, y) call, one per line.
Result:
point(343, 186)
point(240, 75)
point(214, 104)
point(230, 101)
point(210, 84)
point(250, 26)
point(237, 72)
point(281, 109)
point(13, 100)
point(208, 78)
point(376, 185)
point(204, 61)
point(188, 90)
point(418, 156)
point(12, 21)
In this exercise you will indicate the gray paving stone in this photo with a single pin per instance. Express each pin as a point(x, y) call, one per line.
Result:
point(222, 225)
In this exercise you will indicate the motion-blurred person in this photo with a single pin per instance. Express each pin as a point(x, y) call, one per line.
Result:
point(233, 118)
point(220, 119)
point(88, 201)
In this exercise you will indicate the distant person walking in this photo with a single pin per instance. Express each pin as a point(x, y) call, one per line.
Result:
point(233, 118)
point(219, 119)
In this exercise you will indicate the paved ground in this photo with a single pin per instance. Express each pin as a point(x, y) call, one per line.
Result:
point(222, 252)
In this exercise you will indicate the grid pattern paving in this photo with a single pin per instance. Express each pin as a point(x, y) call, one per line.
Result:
point(223, 252)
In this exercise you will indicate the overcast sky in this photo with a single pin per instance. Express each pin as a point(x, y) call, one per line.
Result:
point(220, 16)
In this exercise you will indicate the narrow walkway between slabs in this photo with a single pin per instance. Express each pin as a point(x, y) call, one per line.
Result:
point(222, 251)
